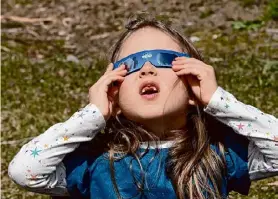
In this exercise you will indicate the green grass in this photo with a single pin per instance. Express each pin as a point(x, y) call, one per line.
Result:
point(272, 10)
point(39, 92)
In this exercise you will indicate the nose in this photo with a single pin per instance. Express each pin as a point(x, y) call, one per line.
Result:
point(147, 69)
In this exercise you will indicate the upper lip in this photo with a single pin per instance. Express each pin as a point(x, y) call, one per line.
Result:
point(150, 83)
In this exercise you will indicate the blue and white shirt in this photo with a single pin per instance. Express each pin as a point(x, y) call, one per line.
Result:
point(50, 163)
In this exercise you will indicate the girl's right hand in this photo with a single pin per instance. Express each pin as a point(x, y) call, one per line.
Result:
point(102, 93)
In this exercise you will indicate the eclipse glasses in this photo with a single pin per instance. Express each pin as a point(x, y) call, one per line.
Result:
point(158, 58)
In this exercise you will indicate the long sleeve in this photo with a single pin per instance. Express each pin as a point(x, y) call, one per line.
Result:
point(260, 128)
point(38, 165)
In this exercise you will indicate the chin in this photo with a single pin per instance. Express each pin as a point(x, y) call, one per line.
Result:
point(147, 115)
point(143, 113)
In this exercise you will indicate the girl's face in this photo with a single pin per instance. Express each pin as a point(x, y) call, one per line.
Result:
point(130, 101)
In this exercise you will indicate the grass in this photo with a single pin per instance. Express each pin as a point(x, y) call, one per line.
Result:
point(41, 88)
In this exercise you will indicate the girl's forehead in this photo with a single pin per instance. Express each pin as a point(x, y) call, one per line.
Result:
point(147, 39)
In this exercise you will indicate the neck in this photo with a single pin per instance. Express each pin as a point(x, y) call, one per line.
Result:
point(162, 127)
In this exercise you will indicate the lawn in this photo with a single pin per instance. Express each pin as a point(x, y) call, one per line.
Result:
point(49, 65)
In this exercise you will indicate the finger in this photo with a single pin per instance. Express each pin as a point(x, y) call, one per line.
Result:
point(180, 58)
point(179, 62)
point(191, 71)
point(113, 73)
point(107, 78)
point(121, 72)
point(122, 66)
point(109, 68)
point(186, 58)
point(124, 71)
point(178, 67)
point(187, 61)
point(107, 82)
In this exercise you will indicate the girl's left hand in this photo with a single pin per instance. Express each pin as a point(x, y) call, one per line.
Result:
point(200, 77)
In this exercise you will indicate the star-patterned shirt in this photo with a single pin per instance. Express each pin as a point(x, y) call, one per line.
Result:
point(40, 165)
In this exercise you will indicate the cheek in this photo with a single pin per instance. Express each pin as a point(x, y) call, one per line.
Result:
point(176, 90)
point(127, 92)
point(172, 82)
point(124, 90)
point(179, 93)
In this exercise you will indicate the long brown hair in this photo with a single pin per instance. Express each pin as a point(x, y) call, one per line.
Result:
point(191, 163)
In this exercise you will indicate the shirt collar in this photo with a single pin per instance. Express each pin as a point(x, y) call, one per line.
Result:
point(160, 144)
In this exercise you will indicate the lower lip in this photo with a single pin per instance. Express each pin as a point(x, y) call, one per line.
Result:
point(150, 96)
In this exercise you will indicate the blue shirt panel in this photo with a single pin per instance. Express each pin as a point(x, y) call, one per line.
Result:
point(89, 177)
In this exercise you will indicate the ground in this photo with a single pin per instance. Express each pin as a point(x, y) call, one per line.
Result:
point(54, 50)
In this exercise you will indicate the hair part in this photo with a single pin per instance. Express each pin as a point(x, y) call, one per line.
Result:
point(194, 168)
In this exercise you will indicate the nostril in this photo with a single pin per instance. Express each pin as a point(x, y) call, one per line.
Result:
point(150, 72)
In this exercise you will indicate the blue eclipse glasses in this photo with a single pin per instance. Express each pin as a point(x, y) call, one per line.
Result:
point(158, 58)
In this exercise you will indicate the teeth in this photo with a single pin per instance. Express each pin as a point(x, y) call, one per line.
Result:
point(145, 89)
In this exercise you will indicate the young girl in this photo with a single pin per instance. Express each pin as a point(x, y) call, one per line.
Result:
point(157, 126)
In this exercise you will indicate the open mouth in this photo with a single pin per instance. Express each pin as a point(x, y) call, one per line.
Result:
point(149, 91)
